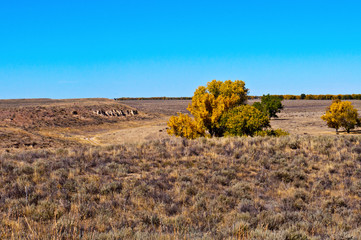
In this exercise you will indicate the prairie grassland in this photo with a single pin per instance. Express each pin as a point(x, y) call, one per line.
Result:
point(293, 187)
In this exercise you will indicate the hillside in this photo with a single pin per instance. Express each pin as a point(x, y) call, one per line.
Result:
point(43, 122)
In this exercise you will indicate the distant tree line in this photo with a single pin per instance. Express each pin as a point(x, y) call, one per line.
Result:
point(320, 97)
point(282, 97)
point(152, 98)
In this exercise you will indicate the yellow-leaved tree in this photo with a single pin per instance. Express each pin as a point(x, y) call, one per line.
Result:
point(220, 109)
point(184, 126)
point(211, 108)
point(211, 102)
point(341, 114)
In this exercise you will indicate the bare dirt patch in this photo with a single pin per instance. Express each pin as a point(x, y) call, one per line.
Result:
point(62, 113)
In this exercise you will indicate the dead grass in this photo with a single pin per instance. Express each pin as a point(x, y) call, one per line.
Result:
point(293, 187)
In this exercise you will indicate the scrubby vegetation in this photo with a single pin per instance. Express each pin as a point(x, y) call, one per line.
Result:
point(290, 187)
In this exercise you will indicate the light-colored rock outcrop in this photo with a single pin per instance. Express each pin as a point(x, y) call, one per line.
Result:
point(116, 112)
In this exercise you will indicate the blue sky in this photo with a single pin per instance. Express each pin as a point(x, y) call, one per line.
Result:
point(71, 49)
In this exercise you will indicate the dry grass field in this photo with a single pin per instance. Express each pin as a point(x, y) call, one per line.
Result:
point(68, 172)
point(293, 187)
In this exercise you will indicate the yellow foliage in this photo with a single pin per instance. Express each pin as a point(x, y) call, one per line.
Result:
point(184, 126)
point(209, 103)
point(220, 109)
point(341, 114)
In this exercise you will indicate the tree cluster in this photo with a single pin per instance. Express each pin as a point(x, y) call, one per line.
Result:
point(219, 109)
point(320, 97)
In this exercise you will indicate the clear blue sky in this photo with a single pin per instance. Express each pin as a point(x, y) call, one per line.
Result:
point(69, 49)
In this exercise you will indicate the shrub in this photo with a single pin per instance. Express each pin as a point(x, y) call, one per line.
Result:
point(341, 114)
point(272, 133)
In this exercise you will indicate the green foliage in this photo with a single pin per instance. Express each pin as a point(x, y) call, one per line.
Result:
point(244, 120)
point(341, 114)
point(271, 105)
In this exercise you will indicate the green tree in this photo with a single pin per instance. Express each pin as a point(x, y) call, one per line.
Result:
point(341, 114)
point(270, 105)
point(244, 120)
